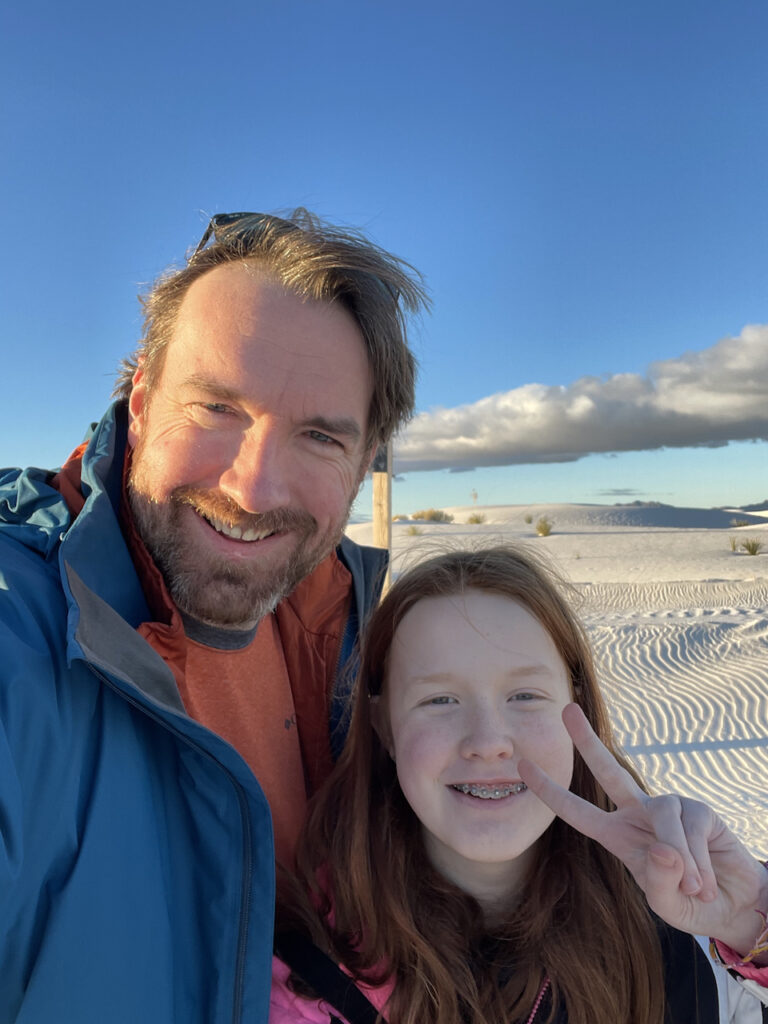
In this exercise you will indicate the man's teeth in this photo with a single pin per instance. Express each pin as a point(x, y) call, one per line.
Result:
point(237, 532)
point(491, 792)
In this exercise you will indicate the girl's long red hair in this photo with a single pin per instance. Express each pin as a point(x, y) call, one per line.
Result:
point(365, 891)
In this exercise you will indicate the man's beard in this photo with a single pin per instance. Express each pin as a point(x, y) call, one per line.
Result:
point(227, 593)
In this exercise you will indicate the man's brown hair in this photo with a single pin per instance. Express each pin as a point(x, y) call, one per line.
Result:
point(314, 260)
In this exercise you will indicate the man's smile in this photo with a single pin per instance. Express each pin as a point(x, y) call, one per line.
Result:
point(235, 532)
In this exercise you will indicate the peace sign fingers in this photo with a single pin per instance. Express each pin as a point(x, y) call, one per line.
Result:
point(615, 780)
point(694, 872)
point(639, 822)
point(683, 824)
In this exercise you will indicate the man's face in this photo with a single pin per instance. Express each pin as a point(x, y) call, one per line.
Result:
point(251, 446)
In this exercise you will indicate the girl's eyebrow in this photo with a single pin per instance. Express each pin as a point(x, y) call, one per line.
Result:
point(518, 672)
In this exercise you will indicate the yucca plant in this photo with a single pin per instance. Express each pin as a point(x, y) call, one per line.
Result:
point(544, 527)
point(433, 515)
point(753, 546)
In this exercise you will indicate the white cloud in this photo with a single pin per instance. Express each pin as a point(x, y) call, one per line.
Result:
point(704, 398)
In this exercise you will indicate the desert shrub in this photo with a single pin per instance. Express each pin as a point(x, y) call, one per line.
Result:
point(752, 546)
point(734, 542)
point(433, 515)
point(476, 517)
point(739, 522)
point(544, 527)
point(414, 531)
point(529, 519)
point(399, 519)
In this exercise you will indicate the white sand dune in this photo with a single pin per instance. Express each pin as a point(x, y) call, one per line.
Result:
point(685, 671)
point(679, 622)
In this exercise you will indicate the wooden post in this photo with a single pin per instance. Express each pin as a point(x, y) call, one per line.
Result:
point(382, 503)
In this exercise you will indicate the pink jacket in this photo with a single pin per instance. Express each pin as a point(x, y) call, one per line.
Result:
point(287, 1008)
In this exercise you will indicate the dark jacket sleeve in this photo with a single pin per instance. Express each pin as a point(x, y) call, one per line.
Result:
point(367, 567)
point(689, 983)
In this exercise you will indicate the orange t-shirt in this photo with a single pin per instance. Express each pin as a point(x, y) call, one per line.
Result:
point(245, 696)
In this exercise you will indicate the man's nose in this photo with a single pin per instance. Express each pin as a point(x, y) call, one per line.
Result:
point(258, 474)
point(488, 736)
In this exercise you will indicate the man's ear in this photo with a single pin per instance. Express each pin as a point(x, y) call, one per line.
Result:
point(137, 404)
point(380, 723)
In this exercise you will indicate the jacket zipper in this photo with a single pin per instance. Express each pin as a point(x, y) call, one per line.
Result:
point(245, 890)
point(245, 903)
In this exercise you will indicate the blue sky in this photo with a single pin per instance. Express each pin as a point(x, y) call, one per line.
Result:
point(582, 185)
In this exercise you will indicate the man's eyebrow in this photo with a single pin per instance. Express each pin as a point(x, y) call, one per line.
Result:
point(211, 387)
point(336, 426)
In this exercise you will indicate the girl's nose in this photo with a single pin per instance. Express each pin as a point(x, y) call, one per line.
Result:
point(488, 736)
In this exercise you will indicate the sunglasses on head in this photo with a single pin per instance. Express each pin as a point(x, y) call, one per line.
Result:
point(244, 223)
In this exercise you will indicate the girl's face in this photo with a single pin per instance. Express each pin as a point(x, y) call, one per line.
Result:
point(474, 684)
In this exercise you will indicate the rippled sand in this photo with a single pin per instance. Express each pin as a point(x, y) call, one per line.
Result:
point(680, 628)
point(685, 671)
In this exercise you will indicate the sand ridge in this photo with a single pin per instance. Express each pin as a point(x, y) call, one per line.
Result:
point(680, 628)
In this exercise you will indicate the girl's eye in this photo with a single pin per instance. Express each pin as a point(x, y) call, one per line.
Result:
point(444, 699)
point(525, 696)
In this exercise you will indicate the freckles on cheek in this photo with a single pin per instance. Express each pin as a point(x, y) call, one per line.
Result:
point(420, 751)
point(545, 729)
point(552, 748)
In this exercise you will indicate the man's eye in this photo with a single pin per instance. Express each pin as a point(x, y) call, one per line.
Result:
point(318, 435)
point(209, 410)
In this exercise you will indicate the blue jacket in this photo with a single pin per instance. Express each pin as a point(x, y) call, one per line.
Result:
point(136, 856)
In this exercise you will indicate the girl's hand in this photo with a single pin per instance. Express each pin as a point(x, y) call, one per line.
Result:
point(695, 873)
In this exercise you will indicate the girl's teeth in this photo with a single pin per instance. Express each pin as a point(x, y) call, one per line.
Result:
point(491, 792)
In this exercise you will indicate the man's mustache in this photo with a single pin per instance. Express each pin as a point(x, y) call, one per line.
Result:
point(213, 505)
